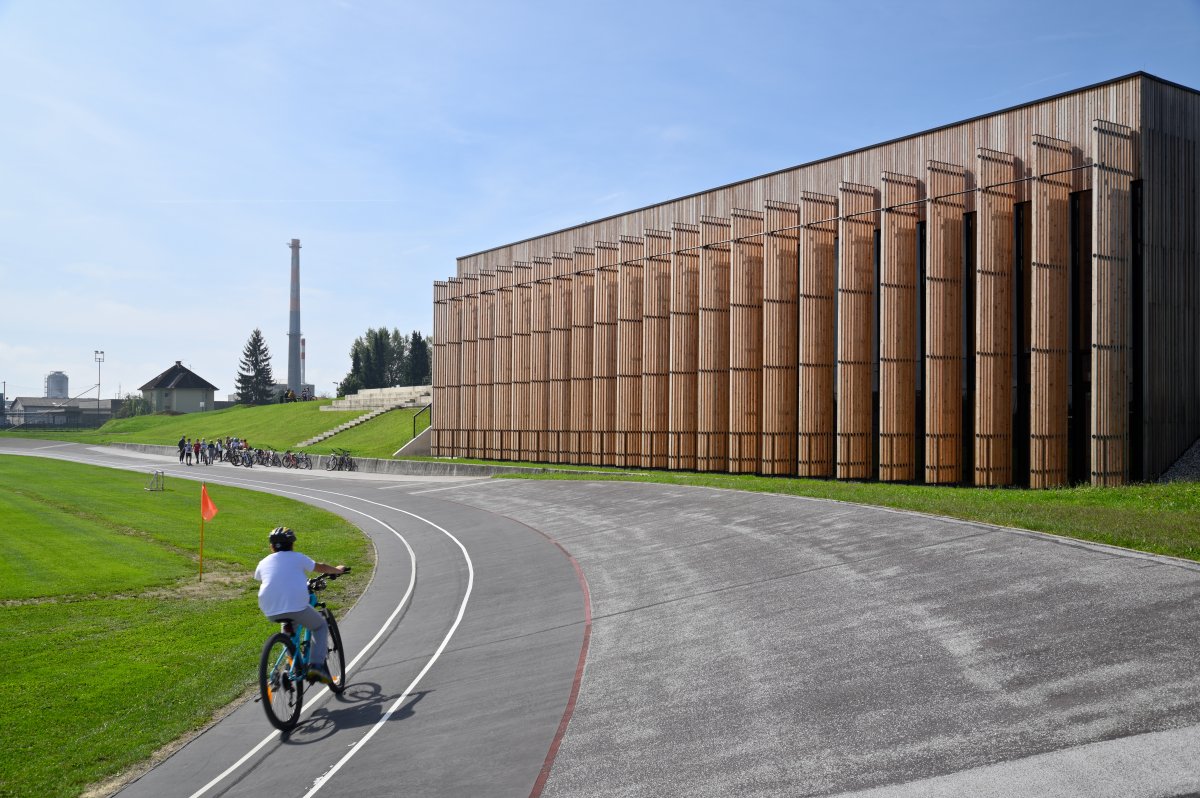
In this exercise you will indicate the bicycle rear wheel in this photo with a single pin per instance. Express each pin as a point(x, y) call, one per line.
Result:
point(282, 693)
point(335, 660)
point(330, 462)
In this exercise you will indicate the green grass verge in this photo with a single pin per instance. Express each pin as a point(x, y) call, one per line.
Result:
point(1161, 519)
point(277, 427)
point(114, 647)
point(270, 426)
point(379, 437)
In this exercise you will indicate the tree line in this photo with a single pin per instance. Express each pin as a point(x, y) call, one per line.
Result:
point(382, 359)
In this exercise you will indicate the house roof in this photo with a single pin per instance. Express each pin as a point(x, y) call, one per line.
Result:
point(177, 377)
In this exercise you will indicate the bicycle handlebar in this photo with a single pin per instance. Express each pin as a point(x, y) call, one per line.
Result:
point(318, 582)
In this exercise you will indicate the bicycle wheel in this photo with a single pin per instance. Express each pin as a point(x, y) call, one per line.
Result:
point(282, 693)
point(306, 462)
point(330, 462)
point(351, 465)
point(335, 660)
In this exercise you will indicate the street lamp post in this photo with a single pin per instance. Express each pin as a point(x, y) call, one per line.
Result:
point(99, 354)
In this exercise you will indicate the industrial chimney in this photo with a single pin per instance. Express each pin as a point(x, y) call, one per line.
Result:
point(294, 375)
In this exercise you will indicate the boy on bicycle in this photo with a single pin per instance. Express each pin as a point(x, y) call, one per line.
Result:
point(284, 594)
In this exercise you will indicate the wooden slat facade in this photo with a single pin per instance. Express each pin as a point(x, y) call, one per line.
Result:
point(583, 322)
point(560, 359)
point(504, 437)
point(817, 311)
point(604, 364)
point(1066, 227)
point(656, 348)
point(898, 329)
point(780, 338)
point(629, 351)
point(944, 322)
point(1112, 154)
point(1050, 308)
point(745, 341)
point(685, 346)
point(485, 360)
point(856, 329)
point(712, 367)
point(994, 314)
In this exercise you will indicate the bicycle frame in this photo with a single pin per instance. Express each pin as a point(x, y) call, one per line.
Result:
point(302, 640)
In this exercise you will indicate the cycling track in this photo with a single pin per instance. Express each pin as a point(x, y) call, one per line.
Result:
point(738, 644)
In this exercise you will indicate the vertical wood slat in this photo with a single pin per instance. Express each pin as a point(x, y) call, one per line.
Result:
point(522, 392)
point(455, 437)
point(504, 438)
point(485, 358)
point(745, 341)
point(685, 341)
point(604, 366)
point(539, 364)
point(994, 314)
point(468, 367)
point(780, 338)
point(816, 296)
point(712, 366)
point(629, 351)
point(944, 320)
point(856, 311)
point(560, 358)
point(441, 317)
point(583, 309)
point(1049, 339)
point(1112, 156)
point(656, 348)
point(898, 329)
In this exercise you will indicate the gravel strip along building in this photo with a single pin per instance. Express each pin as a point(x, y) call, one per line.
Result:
point(1009, 300)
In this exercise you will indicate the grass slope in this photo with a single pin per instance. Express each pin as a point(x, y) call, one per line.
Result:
point(269, 426)
point(115, 648)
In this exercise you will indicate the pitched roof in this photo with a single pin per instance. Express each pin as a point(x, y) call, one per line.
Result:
point(176, 377)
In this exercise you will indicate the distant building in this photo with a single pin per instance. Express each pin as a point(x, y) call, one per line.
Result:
point(179, 390)
point(40, 411)
point(56, 386)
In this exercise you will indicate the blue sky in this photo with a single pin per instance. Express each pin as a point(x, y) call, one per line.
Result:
point(157, 157)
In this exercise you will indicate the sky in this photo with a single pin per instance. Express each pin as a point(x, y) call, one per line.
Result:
point(157, 158)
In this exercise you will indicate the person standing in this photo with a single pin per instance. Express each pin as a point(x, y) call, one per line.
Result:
point(182, 446)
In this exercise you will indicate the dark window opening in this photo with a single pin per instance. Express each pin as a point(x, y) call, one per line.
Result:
point(920, 381)
point(1079, 440)
point(1022, 249)
point(1137, 376)
point(968, 350)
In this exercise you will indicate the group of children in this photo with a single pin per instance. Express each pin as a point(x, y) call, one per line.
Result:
point(205, 452)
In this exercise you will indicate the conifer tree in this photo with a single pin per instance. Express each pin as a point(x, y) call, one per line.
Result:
point(254, 380)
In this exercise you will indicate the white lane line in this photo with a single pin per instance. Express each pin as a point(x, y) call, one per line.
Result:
point(52, 446)
point(412, 581)
point(324, 779)
point(451, 487)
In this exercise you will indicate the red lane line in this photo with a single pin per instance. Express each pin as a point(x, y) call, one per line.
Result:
point(544, 774)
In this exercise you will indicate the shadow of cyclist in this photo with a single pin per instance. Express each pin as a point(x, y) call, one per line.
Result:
point(363, 704)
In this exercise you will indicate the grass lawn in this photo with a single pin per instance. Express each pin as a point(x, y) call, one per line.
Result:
point(270, 426)
point(1161, 519)
point(379, 437)
point(117, 649)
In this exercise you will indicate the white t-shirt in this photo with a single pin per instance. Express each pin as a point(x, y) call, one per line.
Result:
point(284, 577)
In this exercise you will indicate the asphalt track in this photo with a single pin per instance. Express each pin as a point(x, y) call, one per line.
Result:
point(739, 645)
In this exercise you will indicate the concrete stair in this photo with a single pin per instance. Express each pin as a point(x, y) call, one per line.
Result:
point(343, 427)
point(384, 398)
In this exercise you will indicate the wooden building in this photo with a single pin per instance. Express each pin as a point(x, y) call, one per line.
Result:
point(1009, 300)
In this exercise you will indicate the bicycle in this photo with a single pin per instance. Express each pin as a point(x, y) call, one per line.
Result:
point(285, 661)
point(340, 460)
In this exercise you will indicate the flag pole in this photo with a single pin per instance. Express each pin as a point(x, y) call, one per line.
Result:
point(202, 487)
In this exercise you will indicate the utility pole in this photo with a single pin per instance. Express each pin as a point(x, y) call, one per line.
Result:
point(99, 354)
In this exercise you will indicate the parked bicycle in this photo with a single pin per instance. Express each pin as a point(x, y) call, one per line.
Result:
point(285, 661)
point(296, 460)
point(340, 460)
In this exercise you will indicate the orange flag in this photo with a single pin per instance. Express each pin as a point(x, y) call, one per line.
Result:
point(207, 509)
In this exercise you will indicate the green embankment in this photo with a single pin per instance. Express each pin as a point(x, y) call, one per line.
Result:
point(278, 427)
point(113, 647)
